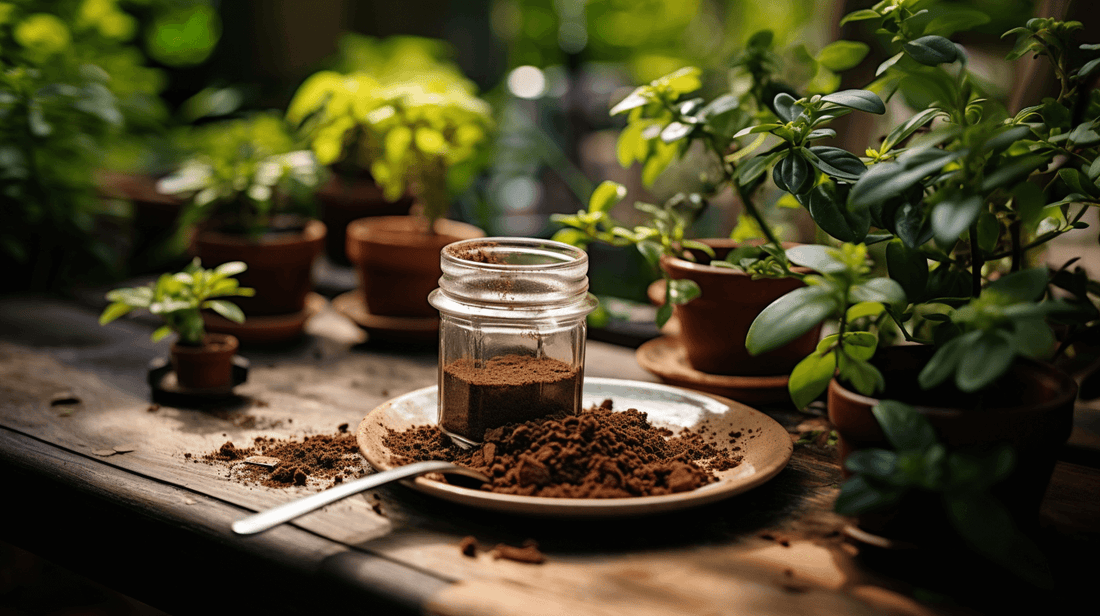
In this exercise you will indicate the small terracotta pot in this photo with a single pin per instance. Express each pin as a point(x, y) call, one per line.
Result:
point(713, 326)
point(343, 199)
point(1031, 408)
point(209, 366)
point(398, 263)
point(279, 265)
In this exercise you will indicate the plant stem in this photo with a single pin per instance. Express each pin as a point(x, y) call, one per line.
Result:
point(744, 195)
point(976, 261)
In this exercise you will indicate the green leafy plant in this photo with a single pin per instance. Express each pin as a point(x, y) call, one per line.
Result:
point(919, 465)
point(406, 117)
point(966, 195)
point(178, 299)
point(245, 173)
point(759, 125)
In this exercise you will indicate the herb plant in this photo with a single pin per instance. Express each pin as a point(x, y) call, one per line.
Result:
point(756, 127)
point(178, 300)
point(966, 195)
point(919, 465)
point(245, 173)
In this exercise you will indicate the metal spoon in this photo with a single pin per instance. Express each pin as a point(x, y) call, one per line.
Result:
point(264, 520)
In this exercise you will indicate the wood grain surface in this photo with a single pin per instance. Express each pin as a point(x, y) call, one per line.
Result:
point(71, 392)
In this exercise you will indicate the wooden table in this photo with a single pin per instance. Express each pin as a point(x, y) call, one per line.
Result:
point(156, 526)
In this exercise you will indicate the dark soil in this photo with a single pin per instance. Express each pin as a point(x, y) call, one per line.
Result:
point(326, 459)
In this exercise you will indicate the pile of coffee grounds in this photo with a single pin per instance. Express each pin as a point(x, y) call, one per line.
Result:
point(323, 460)
point(599, 453)
point(505, 389)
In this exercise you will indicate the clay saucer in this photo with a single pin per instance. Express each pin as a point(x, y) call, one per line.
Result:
point(265, 329)
point(666, 358)
point(417, 330)
point(167, 390)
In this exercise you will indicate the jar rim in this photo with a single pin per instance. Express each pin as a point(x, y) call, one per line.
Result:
point(562, 255)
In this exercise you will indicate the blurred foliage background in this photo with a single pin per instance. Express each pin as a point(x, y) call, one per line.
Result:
point(98, 90)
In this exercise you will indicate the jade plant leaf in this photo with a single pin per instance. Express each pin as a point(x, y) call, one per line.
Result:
point(905, 429)
point(932, 50)
point(789, 317)
point(810, 378)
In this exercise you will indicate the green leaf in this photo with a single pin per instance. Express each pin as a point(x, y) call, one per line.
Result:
point(954, 215)
point(904, 130)
point(984, 360)
point(878, 463)
point(789, 317)
point(1011, 170)
point(682, 290)
point(606, 195)
point(785, 107)
point(955, 20)
point(664, 313)
point(842, 55)
point(1033, 338)
point(908, 267)
point(810, 378)
point(794, 173)
point(861, 100)
point(836, 162)
point(232, 268)
point(989, 231)
point(114, 311)
point(904, 427)
point(755, 167)
point(860, 15)
point(943, 363)
point(138, 297)
point(859, 345)
point(639, 97)
point(1079, 183)
point(160, 333)
point(932, 50)
point(882, 290)
point(675, 131)
point(830, 212)
point(865, 378)
point(225, 308)
point(858, 495)
point(1025, 285)
point(1089, 68)
point(815, 257)
point(864, 309)
point(759, 128)
point(573, 237)
point(887, 180)
point(651, 251)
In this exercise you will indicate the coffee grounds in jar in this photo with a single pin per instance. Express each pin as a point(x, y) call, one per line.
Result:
point(505, 389)
point(599, 453)
point(327, 460)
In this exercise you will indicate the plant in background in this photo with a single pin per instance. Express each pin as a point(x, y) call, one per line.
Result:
point(178, 300)
point(665, 122)
point(966, 194)
point(959, 479)
point(403, 114)
point(246, 174)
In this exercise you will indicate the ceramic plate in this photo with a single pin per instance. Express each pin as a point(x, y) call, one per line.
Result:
point(765, 445)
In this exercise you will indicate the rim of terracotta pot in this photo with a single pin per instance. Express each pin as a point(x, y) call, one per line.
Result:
point(231, 340)
point(384, 230)
point(1063, 384)
point(313, 231)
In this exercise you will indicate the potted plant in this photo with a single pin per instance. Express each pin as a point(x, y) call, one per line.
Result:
point(965, 194)
point(718, 286)
point(248, 198)
point(201, 360)
point(421, 137)
point(330, 110)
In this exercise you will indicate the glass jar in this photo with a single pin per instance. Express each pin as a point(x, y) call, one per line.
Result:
point(511, 333)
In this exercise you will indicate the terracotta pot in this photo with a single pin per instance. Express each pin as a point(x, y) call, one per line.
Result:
point(398, 263)
point(1031, 408)
point(209, 366)
point(279, 265)
point(713, 326)
point(343, 199)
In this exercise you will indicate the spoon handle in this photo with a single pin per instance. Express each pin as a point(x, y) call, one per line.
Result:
point(286, 512)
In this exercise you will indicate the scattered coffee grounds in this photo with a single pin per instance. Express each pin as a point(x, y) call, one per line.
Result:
point(478, 252)
point(506, 389)
point(529, 553)
point(599, 453)
point(324, 460)
point(468, 546)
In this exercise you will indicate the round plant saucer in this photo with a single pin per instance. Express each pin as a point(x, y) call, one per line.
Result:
point(415, 330)
point(167, 390)
point(267, 328)
point(666, 358)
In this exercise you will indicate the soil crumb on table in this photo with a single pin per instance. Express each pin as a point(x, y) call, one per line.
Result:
point(599, 453)
point(529, 553)
point(322, 459)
